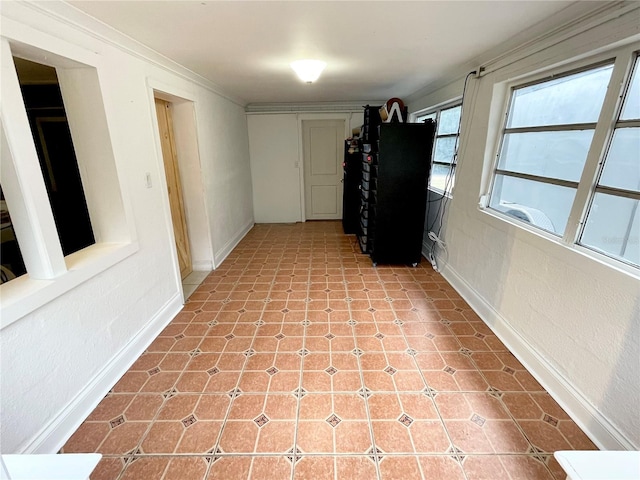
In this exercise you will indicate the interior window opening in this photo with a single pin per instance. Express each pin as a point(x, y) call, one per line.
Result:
point(54, 145)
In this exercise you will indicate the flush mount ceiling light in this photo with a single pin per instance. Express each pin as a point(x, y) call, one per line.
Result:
point(308, 70)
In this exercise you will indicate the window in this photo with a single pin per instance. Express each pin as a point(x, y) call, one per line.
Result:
point(443, 165)
point(54, 146)
point(549, 172)
point(613, 222)
point(63, 209)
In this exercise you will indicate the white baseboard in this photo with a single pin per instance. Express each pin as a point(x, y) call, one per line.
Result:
point(202, 266)
point(597, 427)
point(224, 252)
point(52, 437)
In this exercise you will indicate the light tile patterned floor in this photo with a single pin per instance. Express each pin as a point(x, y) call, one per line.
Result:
point(297, 359)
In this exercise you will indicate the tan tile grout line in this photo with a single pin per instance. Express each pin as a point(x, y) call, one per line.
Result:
point(364, 389)
point(247, 264)
point(429, 392)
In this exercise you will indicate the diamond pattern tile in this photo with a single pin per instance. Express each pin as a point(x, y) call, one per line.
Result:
point(300, 359)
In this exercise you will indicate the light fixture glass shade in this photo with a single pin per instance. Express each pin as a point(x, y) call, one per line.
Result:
point(308, 70)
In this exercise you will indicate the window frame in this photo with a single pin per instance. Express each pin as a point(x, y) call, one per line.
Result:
point(416, 117)
point(51, 274)
point(623, 59)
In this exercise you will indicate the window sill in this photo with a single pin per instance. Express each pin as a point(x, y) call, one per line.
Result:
point(440, 192)
point(23, 295)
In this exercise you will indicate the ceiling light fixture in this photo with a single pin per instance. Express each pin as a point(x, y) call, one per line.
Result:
point(308, 70)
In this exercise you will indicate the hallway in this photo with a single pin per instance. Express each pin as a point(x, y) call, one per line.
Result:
point(297, 359)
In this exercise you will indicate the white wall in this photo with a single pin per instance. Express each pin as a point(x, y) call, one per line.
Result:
point(572, 319)
point(275, 168)
point(60, 360)
point(276, 162)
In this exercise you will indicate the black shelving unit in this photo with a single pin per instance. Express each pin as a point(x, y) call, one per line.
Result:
point(351, 179)
point(395, 174)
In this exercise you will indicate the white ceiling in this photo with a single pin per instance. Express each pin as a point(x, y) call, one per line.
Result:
point(374, 49)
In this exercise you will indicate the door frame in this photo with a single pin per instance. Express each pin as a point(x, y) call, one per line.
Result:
point(316, 116)
point(189, 154)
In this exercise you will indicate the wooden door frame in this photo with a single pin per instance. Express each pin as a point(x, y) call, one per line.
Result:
point(176, 95)
point(173, 176)
point(315, 116)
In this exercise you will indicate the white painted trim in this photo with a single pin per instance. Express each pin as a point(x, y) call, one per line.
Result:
point(24, 295)
point(202, 266)
point(228, 247)
point(52, 437)
point(597, 427)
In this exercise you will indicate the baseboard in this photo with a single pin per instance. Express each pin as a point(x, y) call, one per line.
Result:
point(54, 435)
point(224, 252)
point(203, 266)
point(597, 427)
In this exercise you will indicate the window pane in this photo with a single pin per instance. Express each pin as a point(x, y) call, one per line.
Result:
point(449, 120)
point(547, 154)
point(622, 166)
point(439, 176)
point(12, 263)
point(631, 108)
point(444, 150)
point(544, 205)
point(613, 226)
point(561, 101)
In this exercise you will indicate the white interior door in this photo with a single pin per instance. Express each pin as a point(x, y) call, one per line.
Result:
point(323, 143)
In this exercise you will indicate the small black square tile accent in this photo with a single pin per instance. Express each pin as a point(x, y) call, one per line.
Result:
point(477, 419)
point(272, 371)
point(390, 370)
point(261, 420)
point(405, 419)
point(213, 371)
point(236, 392)
point(190, 420)
point(449, 370)
point(550, 420)
point(280, 336)
point(116, 421)
point(331, 370)
point(153, 371)
point(334, 420)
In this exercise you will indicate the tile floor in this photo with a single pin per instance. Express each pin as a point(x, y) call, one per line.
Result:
point(297, 359)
